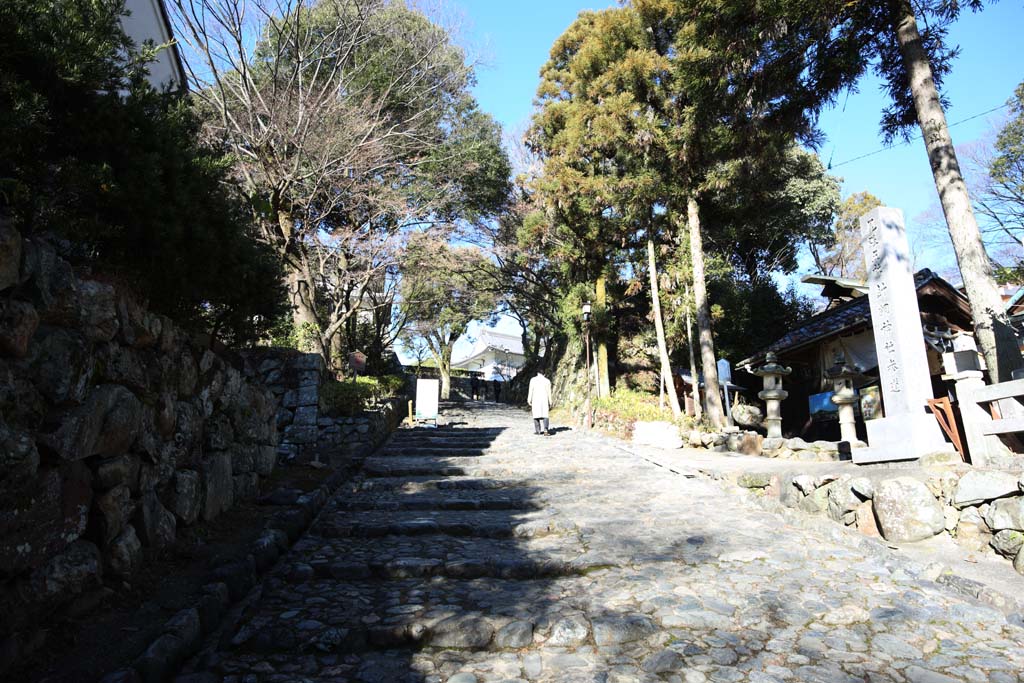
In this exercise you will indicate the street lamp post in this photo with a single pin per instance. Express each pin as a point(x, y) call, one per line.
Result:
point(586, 344)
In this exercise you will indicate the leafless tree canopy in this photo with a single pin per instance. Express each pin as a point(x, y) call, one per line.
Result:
point(339, 116)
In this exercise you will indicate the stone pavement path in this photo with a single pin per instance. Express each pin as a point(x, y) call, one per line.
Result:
point(480, 552)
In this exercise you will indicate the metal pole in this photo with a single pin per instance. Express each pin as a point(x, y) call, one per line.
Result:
point(586, 405)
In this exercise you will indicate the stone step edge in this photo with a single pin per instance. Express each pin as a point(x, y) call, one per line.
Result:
point(301, 572)
point(229, 583)
point(467, 632)
point(528, 529)
point(431, 453)
point(378, 485)
point(440, 505)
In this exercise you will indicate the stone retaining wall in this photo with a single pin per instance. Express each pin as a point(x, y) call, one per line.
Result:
point(116, 427)
point(357, 436)
point(306, 430)
point(982, 510)
point(294, 378)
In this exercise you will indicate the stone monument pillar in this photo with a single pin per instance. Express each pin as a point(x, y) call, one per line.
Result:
point(907, 431)
point(845, 397)
point(773, 395)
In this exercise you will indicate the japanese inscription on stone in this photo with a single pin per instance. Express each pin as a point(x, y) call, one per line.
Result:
point(907, 430)
point(895, 316)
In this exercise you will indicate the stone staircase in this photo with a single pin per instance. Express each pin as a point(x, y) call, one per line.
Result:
point(436, 552)
point(479, 555)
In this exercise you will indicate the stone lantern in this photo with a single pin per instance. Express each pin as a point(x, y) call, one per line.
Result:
point(844, 396)
point(773, 395)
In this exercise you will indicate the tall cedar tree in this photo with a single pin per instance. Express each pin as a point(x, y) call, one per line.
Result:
point(829, 45)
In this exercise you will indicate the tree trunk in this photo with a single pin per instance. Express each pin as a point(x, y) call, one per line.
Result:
point(698, 409)
point(659, 326)
point(992, 330)
point(299, 293)
point(700, 297)
point(300, 298)
point(444, 367)
point(337, 346)
point(604, 389)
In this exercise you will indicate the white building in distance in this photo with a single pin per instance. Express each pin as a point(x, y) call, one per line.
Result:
point(494, 356)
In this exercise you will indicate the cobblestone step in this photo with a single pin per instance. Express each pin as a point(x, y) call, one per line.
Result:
point(404, 468)
point(483, 524)
point(460, 500)
point(403, 450)
point(438, 467)
point(495, 567)
point(442, 555)
point(424, 484)
point(445, 435)
point(484, 614)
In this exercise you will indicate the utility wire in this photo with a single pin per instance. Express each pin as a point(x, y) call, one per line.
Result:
point(915, 138)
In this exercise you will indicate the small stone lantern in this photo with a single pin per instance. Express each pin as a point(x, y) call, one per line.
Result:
point(773, 395)
point(844, 396)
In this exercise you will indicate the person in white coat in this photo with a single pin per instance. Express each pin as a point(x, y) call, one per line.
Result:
point(539, 398)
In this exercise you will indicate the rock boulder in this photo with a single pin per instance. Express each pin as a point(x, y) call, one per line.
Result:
point(77, 569)
point(10, 255)
point(218, 484)
point(106, 424)
point(907, 511)
point(187, 496)
point(124, 555)
point(18, 323)
point(155, 523)
point(979, 486)
point(39, 519)
point(1006, 513)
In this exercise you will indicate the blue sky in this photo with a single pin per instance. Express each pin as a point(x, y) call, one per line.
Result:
point(514, 38)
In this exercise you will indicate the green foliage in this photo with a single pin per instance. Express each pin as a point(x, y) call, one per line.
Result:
point(638, 405)
point(1008, 165)
point(842, 255)
point(741, 307)
point(285, 334)
point(619, 412)
point(794, 57)
point(92, 152)
point(439, 295)
point(637, 116)
point(348, 397)
point(759, 221)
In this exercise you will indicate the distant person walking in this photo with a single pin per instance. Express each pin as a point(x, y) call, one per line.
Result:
point(539, 398)
point(497, 390)
point(474, 383)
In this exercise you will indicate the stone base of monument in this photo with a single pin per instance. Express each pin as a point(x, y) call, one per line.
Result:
point(907, 437)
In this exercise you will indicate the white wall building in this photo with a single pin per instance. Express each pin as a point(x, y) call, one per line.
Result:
point(494, 355)
point(147, 20)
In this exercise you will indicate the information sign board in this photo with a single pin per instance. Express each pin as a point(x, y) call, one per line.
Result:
point(427, 393)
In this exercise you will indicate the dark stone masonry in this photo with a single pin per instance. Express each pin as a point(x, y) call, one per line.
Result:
point(116, 429)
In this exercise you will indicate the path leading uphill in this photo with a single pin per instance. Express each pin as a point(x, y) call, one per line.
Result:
point(481, 552)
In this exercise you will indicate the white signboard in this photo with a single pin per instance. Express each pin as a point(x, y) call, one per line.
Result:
point(427, 393)
point(724, 370)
